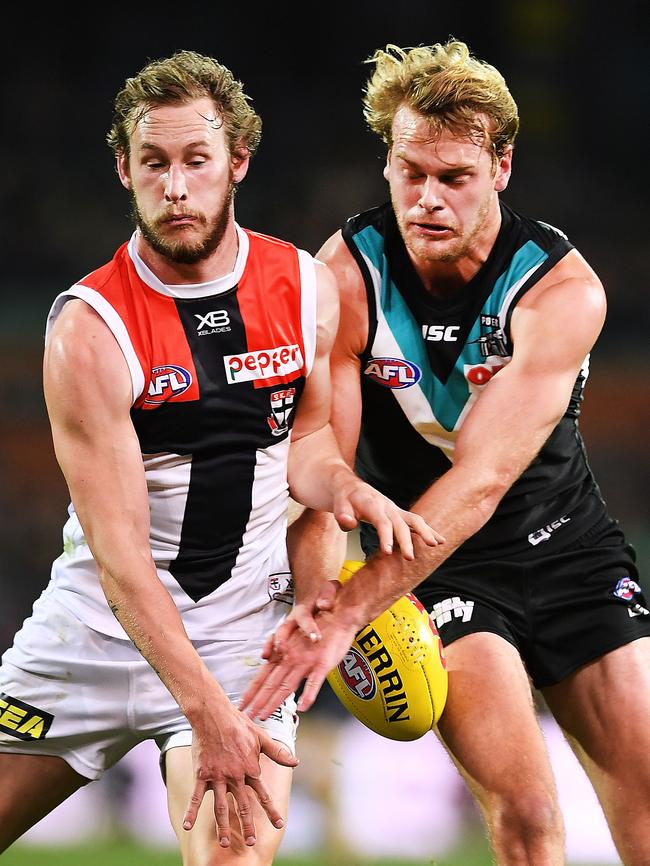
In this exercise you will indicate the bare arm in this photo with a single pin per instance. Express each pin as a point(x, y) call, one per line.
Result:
point(88, 395)
point(520, 407)
point(318, 475)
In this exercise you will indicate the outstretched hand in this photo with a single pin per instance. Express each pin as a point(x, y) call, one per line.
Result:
point(226, 759)
point(302, 619)
point(300, 659)
point(356, 501)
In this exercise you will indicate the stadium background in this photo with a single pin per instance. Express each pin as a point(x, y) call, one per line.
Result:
point(579, 76)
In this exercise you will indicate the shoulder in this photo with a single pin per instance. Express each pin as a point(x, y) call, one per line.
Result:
point(569, 301)
point(351, 288)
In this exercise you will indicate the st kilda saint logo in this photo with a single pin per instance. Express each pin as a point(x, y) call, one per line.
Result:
point(281, 409)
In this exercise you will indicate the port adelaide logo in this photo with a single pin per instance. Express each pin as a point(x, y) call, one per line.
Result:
point(394, 373)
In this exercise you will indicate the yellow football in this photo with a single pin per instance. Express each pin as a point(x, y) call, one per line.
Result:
point(394, 677)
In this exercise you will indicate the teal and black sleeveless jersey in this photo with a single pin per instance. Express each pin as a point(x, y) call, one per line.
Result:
point(427, 360)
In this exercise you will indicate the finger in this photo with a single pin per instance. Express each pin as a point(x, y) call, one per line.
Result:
point(268, 647)
point(255, 685)
point(265, 801)
point(195, 801)
point(245, 813)
point(307, 624)
point(385, 533)
point(277, 640)
point(278, 685)
point(403, 537)
point(222, 813)
point(276, 750)
point(419, 525)
point(311, 689)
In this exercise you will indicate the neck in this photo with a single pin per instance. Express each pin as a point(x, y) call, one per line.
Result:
point(219, 263)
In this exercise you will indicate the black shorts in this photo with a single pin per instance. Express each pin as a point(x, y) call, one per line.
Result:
point(560, 611)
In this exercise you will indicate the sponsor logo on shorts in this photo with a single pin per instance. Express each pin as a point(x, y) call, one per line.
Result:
point(215, 322)
point(22, 720)
point(281, 587)
point(281, 409)
point(169, 380)
point(630, 592)
point(357, 675)
point(395, 373)
point(444, 610)
point(545, 532)
point(265, 364)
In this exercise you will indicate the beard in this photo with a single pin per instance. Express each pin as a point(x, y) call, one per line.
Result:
point(185, 252)
point(453, 249)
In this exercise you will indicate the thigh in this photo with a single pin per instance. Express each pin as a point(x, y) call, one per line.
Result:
point(489, 723)
point(32, 785)
point(604, 710)
point(200, 846)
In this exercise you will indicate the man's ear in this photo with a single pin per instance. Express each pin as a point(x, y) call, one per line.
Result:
point(122, 162)
point(240, 160)
point(387, 166)
point(504, 169)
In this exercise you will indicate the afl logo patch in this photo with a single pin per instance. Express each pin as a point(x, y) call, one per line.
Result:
point(167, 381)
point(357, 675)
point(393, 373)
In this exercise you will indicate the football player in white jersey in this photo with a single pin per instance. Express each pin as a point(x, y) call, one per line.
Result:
point(82, 685)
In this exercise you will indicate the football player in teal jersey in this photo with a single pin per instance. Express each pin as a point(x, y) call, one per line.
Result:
point(458, 371)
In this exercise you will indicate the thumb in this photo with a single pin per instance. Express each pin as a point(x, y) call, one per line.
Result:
point(327, 594)
point(277, 751)
point(344, 512)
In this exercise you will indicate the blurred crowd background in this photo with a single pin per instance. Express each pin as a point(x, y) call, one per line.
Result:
point(578, 71)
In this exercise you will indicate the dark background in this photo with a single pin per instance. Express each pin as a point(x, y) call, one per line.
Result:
point(578, 71)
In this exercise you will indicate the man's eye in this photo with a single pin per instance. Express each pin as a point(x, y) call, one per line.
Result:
point(197, 162)
point(154, 165)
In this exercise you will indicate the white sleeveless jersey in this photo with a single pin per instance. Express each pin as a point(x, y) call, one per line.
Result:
point(217, 372)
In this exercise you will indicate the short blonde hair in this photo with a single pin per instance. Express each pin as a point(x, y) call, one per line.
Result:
point(179, 79)
point(446, 84)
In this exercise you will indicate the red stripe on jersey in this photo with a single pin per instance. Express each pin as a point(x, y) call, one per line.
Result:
point(269, 296)
point(163, 350)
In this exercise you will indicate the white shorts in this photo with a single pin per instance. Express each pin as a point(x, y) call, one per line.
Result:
point(88, 698)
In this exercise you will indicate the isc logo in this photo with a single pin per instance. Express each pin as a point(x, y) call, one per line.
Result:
point(167, 381)
point(357, 675)
point(440, 333)
point(393, 373)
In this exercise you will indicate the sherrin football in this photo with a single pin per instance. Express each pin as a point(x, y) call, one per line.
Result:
point(394, 677)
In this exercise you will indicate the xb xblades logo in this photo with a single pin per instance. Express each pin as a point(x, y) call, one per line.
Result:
point(213, 322)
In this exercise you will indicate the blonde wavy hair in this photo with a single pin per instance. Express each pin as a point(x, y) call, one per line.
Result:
point(179, 79)
point(447, 85)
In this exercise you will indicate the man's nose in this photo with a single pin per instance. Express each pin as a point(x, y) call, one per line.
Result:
point(430, 196)
point(175, 186)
